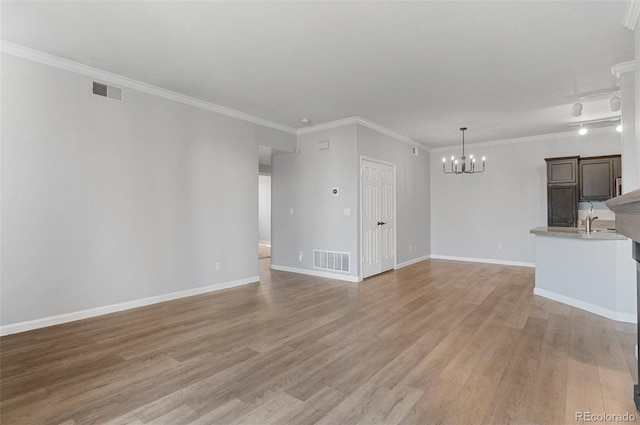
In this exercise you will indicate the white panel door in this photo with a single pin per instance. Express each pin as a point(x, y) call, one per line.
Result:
point(378, 218)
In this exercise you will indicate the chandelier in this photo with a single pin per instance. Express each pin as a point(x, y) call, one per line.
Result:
point(460, 166)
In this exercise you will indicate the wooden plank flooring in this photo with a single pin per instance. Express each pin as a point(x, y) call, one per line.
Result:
point(438, 342)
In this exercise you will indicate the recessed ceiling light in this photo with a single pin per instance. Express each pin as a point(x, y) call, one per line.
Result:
point(305, 120)
point(582, 131)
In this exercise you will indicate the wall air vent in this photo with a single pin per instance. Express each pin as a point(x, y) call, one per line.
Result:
point(331, 260)
point(108, 91)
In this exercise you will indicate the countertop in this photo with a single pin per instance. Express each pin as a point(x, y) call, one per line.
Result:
point(627, 209)
point(599, 233)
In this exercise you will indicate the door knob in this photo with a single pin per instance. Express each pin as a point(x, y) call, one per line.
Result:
point(381, 223)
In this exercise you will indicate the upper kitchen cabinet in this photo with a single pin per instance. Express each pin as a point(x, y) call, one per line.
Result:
point(562, 170)
point(599, 177)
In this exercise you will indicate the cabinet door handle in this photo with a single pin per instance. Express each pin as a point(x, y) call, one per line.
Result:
point(381, 223)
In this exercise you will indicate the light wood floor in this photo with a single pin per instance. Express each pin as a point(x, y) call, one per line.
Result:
point(438, 342)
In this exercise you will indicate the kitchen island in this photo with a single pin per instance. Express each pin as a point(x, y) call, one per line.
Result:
point(591, 271)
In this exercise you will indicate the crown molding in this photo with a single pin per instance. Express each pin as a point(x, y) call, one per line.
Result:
point(526, 139)
point(365, 123)
point(327, 125)
point(89, 71)
point(632, 15)
point(388, 132)
point(622, 68)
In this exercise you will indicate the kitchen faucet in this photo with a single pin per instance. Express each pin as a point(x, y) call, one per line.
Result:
point(589, 219)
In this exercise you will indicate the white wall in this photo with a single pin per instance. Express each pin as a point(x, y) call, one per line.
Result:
point(472, 214)
point(303, 182)
point(413, 203)
point(106, 202)
point(264, 208)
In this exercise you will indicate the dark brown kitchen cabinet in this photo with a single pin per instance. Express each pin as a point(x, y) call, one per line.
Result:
point(562, 170)
point(562, 191)
point(562, 201)
point(598, 177)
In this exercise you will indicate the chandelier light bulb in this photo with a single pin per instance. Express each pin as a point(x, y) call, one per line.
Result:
point(484, 158)
point(619, 128)
point(452, 157)
point(444, 159)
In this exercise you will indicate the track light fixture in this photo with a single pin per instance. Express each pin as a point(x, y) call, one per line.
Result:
point(576, 109)
point(600, 123)
point(612, 93)
point(614, 103)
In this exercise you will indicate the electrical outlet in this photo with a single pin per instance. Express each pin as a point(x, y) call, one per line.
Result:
point(499, 246)
point(410, 248)
point(217, 266)
point(300, 256)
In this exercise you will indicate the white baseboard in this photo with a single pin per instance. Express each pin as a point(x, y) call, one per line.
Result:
point(484, 260)
point(582, 305)
point(346, 278)
point(410, 262)
point(99, 311)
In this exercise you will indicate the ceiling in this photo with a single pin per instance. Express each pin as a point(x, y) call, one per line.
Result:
point(422, 69)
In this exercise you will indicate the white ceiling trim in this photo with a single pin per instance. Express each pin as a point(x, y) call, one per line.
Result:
point(389, 132)
point(327, 125)
point(364, 122)
point(89, 71)
point(632, 15)
point(623, 67)
point(527, 139)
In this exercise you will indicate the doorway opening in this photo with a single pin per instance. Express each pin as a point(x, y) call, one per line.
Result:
point(265, 242)
point(264, 214)
point(264, 204)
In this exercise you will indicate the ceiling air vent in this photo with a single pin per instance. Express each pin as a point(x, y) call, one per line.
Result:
point(108, 91)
